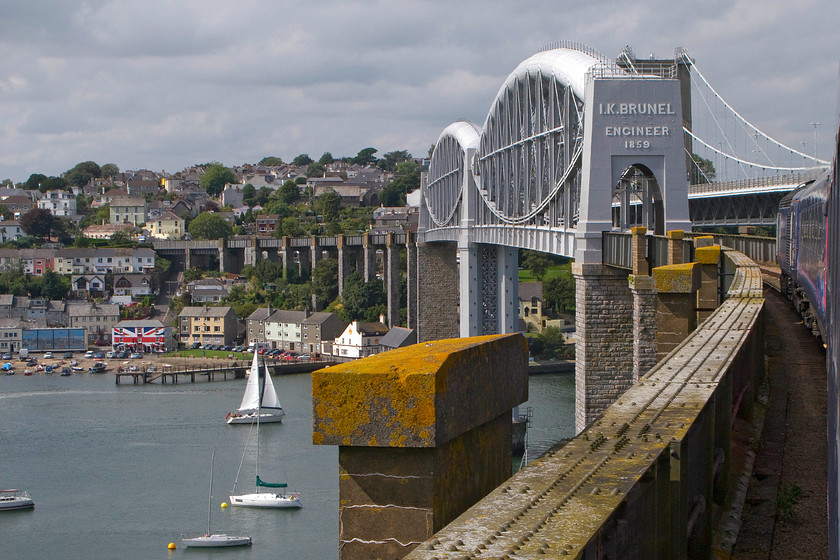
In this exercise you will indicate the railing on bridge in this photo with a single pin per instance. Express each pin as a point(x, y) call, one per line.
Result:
point(755, 185)
point(617, 250)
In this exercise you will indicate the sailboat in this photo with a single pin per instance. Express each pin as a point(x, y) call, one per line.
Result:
point(260, 398)
point(217, 540)
point(257, 498)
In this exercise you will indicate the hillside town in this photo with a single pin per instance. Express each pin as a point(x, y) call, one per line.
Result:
point(79, 269)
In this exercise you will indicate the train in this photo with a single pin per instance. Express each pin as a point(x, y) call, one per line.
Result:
point(801, 251)
point(808, 253)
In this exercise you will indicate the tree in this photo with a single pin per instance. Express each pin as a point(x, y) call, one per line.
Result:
point(362, 300)
point(328, 205)
point(54, 286)
point(326, 159)
point(248, 194)
point(315, 169)
point(34, 182)
point(289, 192)
point(559, 293)
point(325, 280)
point(390, 160)
point(82, 173)
point(702, 171)
point(271, 161)
point(302, 160)
point(292, 227)
point(120, 239)
point(109, 170)
point(193, 274)
point(210, 226)
point(38, 222)
point(365, 156)
point(538, 263)
point(215, 177)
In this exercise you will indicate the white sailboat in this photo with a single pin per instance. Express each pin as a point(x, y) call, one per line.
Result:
point(214, 540)
point(257, 498)
point(260, 398)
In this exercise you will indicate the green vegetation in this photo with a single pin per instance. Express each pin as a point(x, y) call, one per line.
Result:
point(786, 499)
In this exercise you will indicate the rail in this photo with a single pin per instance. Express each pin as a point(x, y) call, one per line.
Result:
point(646, 479)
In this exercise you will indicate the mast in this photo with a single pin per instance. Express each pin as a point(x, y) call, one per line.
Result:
point(210, 494)
point(259, 413)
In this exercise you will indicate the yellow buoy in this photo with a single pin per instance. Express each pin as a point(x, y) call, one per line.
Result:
point(171, 546)
point(224, 505)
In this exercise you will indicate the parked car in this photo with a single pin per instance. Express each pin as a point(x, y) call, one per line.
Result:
point(98, 355)
point(195, 345)
point(304, 357)
point(48, 355)
point(89, 354)
point(136, 355)
point(122, 354)
point(67, 355)
point(7, 356)
point(110, 354)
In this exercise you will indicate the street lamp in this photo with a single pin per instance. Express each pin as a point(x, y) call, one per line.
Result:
point(815, 125)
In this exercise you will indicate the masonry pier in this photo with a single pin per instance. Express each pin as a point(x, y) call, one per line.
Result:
point(423, 433)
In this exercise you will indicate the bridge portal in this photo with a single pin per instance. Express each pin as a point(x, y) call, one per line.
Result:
point(573, 145)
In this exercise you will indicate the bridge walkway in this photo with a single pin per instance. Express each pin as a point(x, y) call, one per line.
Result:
point(792, 449)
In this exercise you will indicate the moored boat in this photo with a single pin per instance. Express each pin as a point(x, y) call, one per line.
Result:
point(259, 400)
point(216, 541)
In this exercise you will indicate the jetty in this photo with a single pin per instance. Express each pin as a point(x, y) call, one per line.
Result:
point(174, 375)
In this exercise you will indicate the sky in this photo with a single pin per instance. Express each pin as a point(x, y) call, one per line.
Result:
point(162, 85)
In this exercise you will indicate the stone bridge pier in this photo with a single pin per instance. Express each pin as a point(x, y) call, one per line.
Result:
point(423, 433)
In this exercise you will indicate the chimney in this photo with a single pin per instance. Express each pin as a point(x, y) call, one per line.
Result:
point(382, 318)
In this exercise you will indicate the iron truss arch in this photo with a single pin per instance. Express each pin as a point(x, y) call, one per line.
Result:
point(448, 170)
point(529, 157)
point(522, 168)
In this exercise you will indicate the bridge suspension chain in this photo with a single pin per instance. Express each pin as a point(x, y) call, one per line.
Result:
point(751, 132)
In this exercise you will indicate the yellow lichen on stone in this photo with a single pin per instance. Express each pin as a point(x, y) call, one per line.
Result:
point(677, 278)
point(707, 255)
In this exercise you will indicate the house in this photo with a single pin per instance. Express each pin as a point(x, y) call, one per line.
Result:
point(359, 340)
point(207, 290)
point(97, 319)
point(88, 285)
point(58, 203)
point(531, 312)
point(105, 231)
point(232, 196)
point(283, 329)
point(18, 205)
point(142, 336)
point(10, 230)
point(30, 261)
point(266, 224)
point(128, 209)
point(207, 325)
point(255, 325)
point(398, 337)
point(167, 226)
point(403, 218)
point(103, 261)
point(318, 331)
point(141, 187)
point(135, 286)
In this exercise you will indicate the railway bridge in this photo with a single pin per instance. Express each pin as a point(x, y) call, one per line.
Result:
point(592, 159)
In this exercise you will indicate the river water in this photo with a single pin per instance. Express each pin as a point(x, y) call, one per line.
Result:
point(121, 471)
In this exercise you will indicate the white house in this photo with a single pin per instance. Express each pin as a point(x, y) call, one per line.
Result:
point(360, 340)
point(59, 203)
